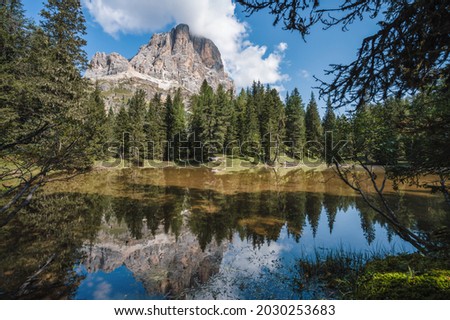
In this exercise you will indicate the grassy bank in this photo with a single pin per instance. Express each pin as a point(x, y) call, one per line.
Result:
point(343, 275)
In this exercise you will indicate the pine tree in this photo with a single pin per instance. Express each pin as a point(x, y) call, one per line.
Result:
point(122, 129)
point(204, 121)
point(251, 144)
point(329, 120)
point(313, 128)
point(240, 107)
point(110, 121)
point(222, 115)
point(64, 24)
point(61, 56)
point(329, 126)
point(14, 33)
point(343, 134)
point(155, 128)
point(295, 124)
point(47, 102)
point(258, 94)
point(175, 125)
point(96, 128)
point(137, 109)
point(231, 114)
point(272, 125)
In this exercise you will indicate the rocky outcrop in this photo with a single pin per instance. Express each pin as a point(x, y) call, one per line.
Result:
point(103, 65)
point(176, 59)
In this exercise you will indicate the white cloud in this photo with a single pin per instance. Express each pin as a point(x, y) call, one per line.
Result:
point(282, 47)
point(304, 74)
point(102, 291)
point(213, 19)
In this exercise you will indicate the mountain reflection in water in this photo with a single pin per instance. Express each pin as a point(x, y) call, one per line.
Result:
point(188, 233)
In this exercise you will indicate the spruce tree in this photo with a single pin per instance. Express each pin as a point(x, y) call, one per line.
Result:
point(44, 98)
point(155, 128)
point(122, 129)
point(240, 107)
point(251, 144)
point(295, 124)
point(14, 32)
point(258, 94)
point(64, 24)
point(96, 129)
point(204, 121)
point(343, 134)
point(231, 116)
point(272, 125)
point(329, 126)
point(137, 108)
point(61, 57)
point(175, 125)
point(313, 128)
point(110, 122)
point(222, 114)
point(232, 134)
point(329, 120)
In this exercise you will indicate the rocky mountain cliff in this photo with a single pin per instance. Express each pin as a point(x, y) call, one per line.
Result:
point(176, 59)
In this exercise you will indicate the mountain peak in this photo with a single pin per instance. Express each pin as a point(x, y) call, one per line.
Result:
point(181, 28)
point(174, 59)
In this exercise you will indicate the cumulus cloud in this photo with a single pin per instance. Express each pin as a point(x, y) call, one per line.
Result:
point(213, 19)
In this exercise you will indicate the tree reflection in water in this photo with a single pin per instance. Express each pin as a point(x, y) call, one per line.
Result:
point(39, 249)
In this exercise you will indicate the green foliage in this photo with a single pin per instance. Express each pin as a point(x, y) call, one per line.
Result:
point(314, 131)
point(175, 125)
point(433, 285)
point(411, 277)
point(424, 128)
point(137, 109)
point(361, 276)
point(329, 120)
point(155, 128)
point(313, 124)
point(97, 127)
point(408, 54)
point(329, 128)
point(273, 126)
point(295, 124)
point(47, 106)
point(64, 24)
point(251, 143)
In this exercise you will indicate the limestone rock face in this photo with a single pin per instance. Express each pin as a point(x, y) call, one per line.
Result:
point(103, 65)
point(176, 59)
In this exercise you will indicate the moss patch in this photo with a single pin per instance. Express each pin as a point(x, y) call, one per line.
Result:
point(411, 277)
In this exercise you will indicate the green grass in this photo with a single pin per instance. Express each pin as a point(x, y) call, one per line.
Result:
point(412, 277)
point(344, 275)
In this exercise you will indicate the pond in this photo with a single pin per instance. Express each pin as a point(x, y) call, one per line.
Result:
point(195, 234)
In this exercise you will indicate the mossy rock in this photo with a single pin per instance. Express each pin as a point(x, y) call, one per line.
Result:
point(411, 277)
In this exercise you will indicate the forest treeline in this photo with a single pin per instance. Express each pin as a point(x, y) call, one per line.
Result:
point(259, 125)
point(54, 120)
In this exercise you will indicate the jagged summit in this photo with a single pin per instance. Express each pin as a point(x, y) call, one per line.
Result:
point(175, 59)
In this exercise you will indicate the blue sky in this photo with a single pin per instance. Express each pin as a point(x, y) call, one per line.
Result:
point(251, 47)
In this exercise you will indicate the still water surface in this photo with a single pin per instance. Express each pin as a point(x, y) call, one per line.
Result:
point(194, 234)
